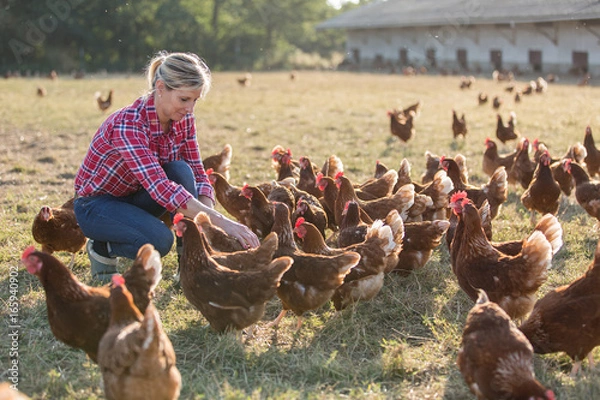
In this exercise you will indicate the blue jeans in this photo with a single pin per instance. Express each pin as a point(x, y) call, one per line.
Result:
point(129, 222)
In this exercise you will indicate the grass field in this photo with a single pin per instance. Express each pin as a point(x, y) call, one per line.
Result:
point(402, 344)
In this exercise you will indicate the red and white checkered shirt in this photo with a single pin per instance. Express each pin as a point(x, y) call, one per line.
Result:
point(127, 152)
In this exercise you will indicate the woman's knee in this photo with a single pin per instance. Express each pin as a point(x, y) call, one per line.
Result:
point(180, 172)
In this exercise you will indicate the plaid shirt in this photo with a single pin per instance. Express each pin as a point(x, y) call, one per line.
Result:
point(127, 152)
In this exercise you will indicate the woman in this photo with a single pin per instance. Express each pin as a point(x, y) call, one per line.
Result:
point(144, 161)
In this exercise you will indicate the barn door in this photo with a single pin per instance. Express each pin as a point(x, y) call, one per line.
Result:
point(496, 59)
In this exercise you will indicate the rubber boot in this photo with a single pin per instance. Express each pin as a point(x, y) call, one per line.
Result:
point(103, 268)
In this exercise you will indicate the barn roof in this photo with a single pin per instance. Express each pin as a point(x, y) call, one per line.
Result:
point(413, 13)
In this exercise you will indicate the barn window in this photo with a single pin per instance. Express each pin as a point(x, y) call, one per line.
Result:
point(461, 58)
point(430, 54)
point(535, 60)
point(403, 57)
point(580, 62)
point(496, 59)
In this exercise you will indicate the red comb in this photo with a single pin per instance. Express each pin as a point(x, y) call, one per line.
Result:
point(178, 217)
point(460, 195)
point(299, 222)
point(118, 280)
point(487, 140)
point(319, 177)
point(289, 152)
point(210, 171)
point(339, 174)
point(27, 252)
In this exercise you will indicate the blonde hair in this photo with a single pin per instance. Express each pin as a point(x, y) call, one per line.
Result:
point(179, 71)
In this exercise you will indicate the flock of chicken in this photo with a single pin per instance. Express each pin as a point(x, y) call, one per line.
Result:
point(325, 238)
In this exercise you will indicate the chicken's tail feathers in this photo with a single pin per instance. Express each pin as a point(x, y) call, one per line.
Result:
point(148, 260)
point(151, 327)
point(537, 255)
point(382, 231)
point(482, 296)
point(405, 196)
point(443, 186)
point(279, 266)
point(550, 227)
point(497, 187)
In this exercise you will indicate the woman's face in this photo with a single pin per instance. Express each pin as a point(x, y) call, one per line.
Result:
point(174, 104)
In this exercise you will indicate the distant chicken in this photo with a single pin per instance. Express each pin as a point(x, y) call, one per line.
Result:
point(466, 82)
point(416, 107)
point(592, 160)
point(495, 191)
point(56, 229)
point(495, 358)
point(576, 153)
point(511, 281)
point(459, 125)
point(587, 192)
point(432, 165)
point(402, 126)
point(78, 314)
point(482, 98)
point(41, 91)
point(313, 278)
point(245, 80)
point(230, 299)
point(492, 160)
point(523, 167)
point(135, 355)
point(543, 193)
point(496, 102)
point(568, 318)
point(104, 104)
point(220, 162)
point(507, 132)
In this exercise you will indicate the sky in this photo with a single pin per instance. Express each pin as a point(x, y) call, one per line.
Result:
point(338, 3)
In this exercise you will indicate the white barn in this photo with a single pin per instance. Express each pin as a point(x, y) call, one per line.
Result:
point(549, 36)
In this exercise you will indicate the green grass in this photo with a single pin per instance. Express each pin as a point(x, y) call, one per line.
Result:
point(402, 344)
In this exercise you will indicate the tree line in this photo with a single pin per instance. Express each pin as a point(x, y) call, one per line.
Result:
point(121, 35)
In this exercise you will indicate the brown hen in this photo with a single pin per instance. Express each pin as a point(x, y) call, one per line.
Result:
point(78, 314)
point(56, 229)
point(230, 299)
point(511, 281)
point(135, 355)
point(313, 278)
point(495, 358)
point(568, 318)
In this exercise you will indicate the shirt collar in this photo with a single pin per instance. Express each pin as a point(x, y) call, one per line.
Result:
point(153, 120)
